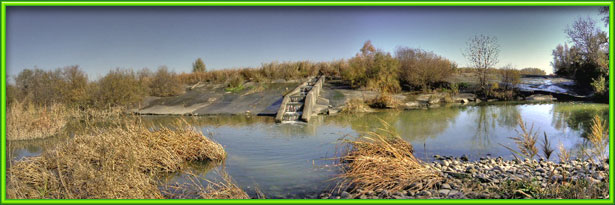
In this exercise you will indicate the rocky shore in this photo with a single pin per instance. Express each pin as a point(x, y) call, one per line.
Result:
point(496, 178)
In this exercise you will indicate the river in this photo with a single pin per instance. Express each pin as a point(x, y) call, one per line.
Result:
point(295, 160)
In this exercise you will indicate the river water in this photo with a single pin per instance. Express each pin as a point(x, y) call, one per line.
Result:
point(294, 160)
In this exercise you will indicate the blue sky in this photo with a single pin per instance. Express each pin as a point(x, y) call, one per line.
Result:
point(99, 39)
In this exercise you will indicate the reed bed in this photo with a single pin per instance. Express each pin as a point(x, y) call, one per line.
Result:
point(120, 162)
point(381, 159)
point(25, 121)
point(198, 186)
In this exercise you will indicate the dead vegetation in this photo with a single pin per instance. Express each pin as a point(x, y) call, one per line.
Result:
point(26, 121)
point(355, 105)
point(598, 138)
point(382, 159)
point(113, 163)
point(225, 188)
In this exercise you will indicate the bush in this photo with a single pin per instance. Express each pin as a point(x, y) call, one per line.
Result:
point(198, 66)
point(372, 69)
point(165, 84)
point(118, 88)
point(532, 71)
point(62, 85)
point(421, 69)
point(510, 77)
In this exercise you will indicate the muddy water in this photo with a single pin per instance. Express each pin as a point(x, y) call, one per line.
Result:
point(292, 160)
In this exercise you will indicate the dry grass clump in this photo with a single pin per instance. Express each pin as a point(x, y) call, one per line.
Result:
point(26, 121)
point(384, 100)
point(599, 138)
point(382, 159)
point(115, 163)
point(526, 141)
point(195, 188)
point(355, 105)
point(225, 189)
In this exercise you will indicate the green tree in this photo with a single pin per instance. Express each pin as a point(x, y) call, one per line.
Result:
point(586, 61)
point(198, 66)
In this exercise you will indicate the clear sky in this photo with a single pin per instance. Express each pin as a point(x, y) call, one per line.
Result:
point(102, 38)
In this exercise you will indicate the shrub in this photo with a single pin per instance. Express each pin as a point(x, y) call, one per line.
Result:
point(165, 84)
point(118, 88)
point(532, 71)
point(510, 77)
point(198, 66)
point(372, 69)
point(62, 85)
point(421, 69)
point(384, 101)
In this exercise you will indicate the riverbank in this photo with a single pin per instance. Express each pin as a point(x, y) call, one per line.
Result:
point(265, 98)
point(496, 178)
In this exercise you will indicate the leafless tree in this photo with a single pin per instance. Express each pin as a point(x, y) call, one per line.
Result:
point(483, 53)
point(605, 11)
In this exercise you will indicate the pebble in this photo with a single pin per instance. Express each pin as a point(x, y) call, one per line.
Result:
point(490, 173)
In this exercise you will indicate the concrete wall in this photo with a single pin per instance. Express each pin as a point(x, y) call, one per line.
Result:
point(310, 99)
point(282, 109)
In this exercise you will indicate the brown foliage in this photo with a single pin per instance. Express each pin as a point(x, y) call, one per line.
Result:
point(165, 83)
point(421, 69)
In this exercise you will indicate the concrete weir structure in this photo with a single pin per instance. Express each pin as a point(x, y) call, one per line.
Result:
point(298, 105)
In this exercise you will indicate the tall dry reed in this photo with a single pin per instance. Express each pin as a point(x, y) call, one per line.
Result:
point(382, 159)
point(26, 121)
point(114, 163)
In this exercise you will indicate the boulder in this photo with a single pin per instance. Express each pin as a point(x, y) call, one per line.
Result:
point(539, 97)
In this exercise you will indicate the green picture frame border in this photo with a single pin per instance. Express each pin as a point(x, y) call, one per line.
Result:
point(5, 4)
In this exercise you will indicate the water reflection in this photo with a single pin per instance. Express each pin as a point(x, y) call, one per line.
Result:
point(577, 116)
point(290, 160)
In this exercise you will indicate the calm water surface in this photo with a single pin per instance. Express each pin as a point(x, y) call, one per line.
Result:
point(293, 160)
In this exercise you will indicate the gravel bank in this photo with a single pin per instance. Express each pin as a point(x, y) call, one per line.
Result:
point(496, 178)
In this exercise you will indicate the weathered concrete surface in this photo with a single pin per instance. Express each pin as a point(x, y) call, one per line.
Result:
point(213, 100)
point(285, 100)
point(311, 100)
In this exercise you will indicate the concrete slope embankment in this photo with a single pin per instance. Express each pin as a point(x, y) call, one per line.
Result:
point(214, 100)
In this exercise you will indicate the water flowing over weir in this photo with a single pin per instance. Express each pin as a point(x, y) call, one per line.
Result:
point(300, 104)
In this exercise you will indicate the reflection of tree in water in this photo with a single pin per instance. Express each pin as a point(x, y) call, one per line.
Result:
point(413, 125)
point(487, 118)
point(577, 116)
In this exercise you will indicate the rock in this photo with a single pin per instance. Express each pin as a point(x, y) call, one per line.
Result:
point(444, 191)
point(464, 158)
point(346, 195)
point(435, 100)
point(539, 97)
point(446, 186)
point(438, 157)
point(412, 104)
